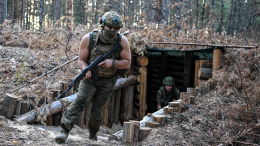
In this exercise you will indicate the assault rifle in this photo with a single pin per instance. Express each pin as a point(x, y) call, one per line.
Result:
point(93, 68)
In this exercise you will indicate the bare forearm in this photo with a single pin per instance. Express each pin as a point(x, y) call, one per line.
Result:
point(122, 64)
point(82, 64)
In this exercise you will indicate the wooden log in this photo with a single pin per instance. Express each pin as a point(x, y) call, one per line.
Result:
point(192, 99)
point(136, 129)
point(7, 105)
point(56, 106)
point(124, 82)
point(204, 73)
point(206, 63)
point(127, 104)
point(148, 118)
point(161, 119)
point(128, 132)
point(187, 70)
point(137, 88)
point(76, 87)
point(56, 117)
point(136, 112)
point(185, 96)
point(144, 132)
point(25, 107)
point(143, 88)
point(167, 110)
point(117, 105)
point(17, 109)
point(110, 109)
point(217, 55)
point(64, 86)
point(152, 124)
point(192, 91)
point(141, 60)
point(176, 106)
point(197, 66)
point(140, 69)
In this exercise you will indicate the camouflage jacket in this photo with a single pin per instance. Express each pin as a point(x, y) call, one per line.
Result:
point(165, 98)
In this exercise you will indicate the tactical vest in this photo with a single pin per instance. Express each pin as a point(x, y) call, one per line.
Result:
point(97, 48)
point(174, 95)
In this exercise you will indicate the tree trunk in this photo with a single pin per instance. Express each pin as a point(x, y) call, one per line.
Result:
point(178, 17)
point(221, 17)
point(165, 12)
point(1, 11)
point(202, 15)
point(234, 19)
point(69, 14)
point(41, 13)
point(7, 105)
point(230, 18)
point(126, 103)
point(57, 11)
point(92, 14)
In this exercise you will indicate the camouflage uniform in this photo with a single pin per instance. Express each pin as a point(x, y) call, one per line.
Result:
point(165, 97)
point(96, 92)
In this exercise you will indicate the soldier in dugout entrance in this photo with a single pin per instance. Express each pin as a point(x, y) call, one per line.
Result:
point(167, 93)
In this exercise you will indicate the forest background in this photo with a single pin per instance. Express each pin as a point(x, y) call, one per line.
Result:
point(236, 16)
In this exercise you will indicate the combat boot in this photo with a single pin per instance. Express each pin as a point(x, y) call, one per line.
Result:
point(62, 136)
point(92, 136)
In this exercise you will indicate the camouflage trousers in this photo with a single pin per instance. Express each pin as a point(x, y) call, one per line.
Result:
point(99, 94)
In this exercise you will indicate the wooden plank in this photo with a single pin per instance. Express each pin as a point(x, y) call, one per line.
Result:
point(206, 63)
point(185, 96)
point(217, 55)
point(110, 109)
point(143, 94)
point(204, 73)
point(126, 104)
point(197, 66)
point(117, 105)
point(187, 70)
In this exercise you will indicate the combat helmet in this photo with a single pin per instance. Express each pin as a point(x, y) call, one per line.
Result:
point(168, 81)
point(112, 19)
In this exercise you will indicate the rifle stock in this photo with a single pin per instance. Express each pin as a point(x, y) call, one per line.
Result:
point(92, 67)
